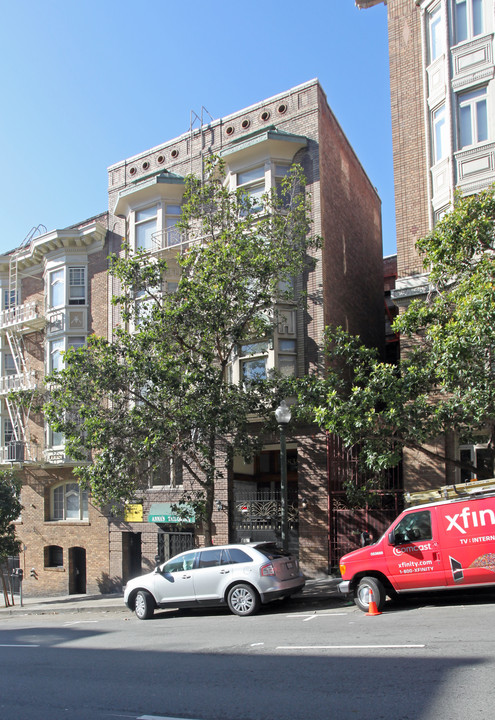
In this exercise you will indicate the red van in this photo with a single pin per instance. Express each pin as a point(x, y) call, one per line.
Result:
point(434, 546)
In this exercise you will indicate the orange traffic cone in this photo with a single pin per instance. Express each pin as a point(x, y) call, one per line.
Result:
point(372, 608)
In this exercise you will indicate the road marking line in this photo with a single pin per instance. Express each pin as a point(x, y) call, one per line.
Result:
point(19, 645)
point(305, 615)
point(344, 647)
point(80, 622)
point(255, 644)
point(160, 717)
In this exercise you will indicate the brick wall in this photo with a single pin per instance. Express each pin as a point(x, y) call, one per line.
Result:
point(408, 132)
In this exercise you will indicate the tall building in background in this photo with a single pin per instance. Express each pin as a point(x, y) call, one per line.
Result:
point(56, 291)
point(443, 127)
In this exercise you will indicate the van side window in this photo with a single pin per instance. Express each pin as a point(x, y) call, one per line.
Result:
point(415, 526)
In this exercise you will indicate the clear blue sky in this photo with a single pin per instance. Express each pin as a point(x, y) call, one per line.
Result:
point(87, 84)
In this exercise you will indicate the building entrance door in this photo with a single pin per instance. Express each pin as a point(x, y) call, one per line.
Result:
point(77, 571)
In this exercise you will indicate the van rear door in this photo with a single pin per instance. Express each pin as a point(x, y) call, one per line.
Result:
point(413, 553)
point(467, 534)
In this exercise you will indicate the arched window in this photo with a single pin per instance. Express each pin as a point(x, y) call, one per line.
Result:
point(54, 556)
point(68, 502)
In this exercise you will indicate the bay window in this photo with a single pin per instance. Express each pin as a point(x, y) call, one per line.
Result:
point(473, 117)
point(254, 361)
point(145, 224)
point(468, 19)
point(440, 135)
point(435, 34)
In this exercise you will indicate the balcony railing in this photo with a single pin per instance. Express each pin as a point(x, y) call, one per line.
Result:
point(12, 383)
point(18, 451)
point(28, 316)
point(169, 239)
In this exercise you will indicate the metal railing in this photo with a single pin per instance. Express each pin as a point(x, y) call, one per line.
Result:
point(25, 314)
point(12, 383)
point(18, 451)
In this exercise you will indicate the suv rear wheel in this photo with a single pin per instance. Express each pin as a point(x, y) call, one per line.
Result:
point(243, 599)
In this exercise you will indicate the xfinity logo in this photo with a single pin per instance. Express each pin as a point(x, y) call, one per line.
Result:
point(467, 518)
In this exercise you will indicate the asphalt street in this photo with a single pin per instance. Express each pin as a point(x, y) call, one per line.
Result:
point(420, 660)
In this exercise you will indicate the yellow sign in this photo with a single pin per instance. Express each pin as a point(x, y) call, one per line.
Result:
point(133, 513)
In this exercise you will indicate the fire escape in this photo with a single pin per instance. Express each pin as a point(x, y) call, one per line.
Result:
point(17, 320)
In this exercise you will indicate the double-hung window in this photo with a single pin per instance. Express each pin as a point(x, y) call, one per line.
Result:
point(287, 357)
point(440, 135)
point(435, 35)
point(77, 286)
point(468, 19)
point(55, 360)
point(56, 290)
point(253, 364)
point(473, 117)
point(145, 225)
point(253, 183)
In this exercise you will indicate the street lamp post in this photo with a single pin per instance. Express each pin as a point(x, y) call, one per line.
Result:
point(283, 416)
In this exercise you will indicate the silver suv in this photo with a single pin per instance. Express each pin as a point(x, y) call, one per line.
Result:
point(240, 576)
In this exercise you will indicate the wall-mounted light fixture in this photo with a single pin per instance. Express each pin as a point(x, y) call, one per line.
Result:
point(218, 505)
point(304, 504)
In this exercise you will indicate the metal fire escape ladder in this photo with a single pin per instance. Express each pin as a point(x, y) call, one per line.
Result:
point(18, 416)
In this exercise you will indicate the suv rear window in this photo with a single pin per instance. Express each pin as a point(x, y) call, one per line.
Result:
point(239, 556)
point(272, 552)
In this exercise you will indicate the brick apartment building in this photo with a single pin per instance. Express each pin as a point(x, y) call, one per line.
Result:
point(56, 291)
point(443, 130)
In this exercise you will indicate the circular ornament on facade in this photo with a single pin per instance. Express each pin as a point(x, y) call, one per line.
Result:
point(230, 130)
point(245, 124)
point(265, 116)
point(146, 165)
point(132, 171)
point(175, 153)
point(160, 159)
point(282, 109)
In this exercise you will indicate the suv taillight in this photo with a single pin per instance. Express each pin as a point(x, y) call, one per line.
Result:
point(267, 570)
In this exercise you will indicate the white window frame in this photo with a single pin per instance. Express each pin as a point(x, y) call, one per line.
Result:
point(435, 33)
point(439, 133)
point(469, 106)
point(77, 282)
point(473, 451)
point(59, 495)
point(471, 18)
point(56, 278)
point(285, 353)
point(253, 352)
point(148, 221)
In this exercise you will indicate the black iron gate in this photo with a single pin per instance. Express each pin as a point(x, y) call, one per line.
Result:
point(347, 521)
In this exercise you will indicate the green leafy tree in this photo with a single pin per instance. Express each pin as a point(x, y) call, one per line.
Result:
point(445, 382)
point(10, 509)
point(160, 389)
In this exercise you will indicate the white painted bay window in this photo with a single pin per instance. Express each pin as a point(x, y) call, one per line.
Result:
point(468, 19)
point(145, 225)
point(254, 361)
point(440, 134)
point(473, 117)
point(435, 34)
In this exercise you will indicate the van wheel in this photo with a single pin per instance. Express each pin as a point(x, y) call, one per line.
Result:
point(143, 605)
point(362, 593)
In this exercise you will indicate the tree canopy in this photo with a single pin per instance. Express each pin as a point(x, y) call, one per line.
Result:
point(159, 389)
point(445, 381)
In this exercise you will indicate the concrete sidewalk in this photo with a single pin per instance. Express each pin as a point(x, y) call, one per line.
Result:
point(318, 590)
